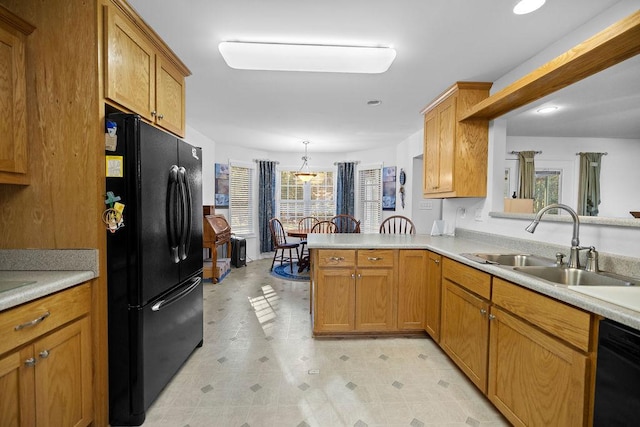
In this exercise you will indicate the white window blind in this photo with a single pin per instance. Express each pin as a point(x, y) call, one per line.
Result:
point(370, 199)
point(298, 199)
point(241, 199)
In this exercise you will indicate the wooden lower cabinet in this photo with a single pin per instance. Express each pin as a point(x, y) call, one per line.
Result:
point(412, 289)
point(433, 288)
point(374, 308)
point(535, 379)
point(464, 333)
point(335, 300)
point(354, 291)
point(48, 380)
point(533, 356)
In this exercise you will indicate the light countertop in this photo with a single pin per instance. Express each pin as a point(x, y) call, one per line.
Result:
point(28, 274)
point(604, 301)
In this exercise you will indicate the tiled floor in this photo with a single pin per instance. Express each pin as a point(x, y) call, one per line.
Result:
point(259, 366)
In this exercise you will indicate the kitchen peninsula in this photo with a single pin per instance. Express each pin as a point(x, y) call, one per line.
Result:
point(470, 242)
point(527, 344)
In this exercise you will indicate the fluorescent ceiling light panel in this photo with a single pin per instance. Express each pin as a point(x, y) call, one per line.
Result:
point(306, 57)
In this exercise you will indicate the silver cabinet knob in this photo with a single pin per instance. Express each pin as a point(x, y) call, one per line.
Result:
point(44, 354)
point(30, 362)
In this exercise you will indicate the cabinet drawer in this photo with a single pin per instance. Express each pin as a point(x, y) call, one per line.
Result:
point(474, 280)
point(565, 322)
point(336, 258)
point(375, 258)
point(61, 307)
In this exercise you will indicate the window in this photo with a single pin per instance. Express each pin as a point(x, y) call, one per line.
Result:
point(297, 199)
point(547, 189)
point(241, 199)
point(370, 199)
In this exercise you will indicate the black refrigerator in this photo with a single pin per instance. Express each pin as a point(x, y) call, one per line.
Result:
point(154, 263)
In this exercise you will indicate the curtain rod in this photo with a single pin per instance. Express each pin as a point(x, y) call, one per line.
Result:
point(584, 152)
point(357, 162)
point(266, 160)
point(518, 152)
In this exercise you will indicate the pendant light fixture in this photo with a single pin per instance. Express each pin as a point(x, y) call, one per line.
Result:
point(304, 174)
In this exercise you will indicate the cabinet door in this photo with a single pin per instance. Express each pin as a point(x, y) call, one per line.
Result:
point(465, 331)
point(534, 379)
point(17, 405)
point(374, 299)
point(447, 142)
point(433, 295)
point(13, 107)
point(412, 282)
point(335, 300)
point(169, 97)
point(63, 384)
point(130, 68)
point(431, 178)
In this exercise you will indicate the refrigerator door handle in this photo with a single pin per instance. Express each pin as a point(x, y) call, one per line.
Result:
point(172, 214)
point(185, 192)
point(177, 297)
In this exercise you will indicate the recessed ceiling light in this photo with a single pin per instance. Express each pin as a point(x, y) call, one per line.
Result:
point(547, 110)
point(527, 6)
point(306, 57)
point(374, 102)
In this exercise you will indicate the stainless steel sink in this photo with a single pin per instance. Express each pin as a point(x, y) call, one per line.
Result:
point(577, 277)
point(515, 260)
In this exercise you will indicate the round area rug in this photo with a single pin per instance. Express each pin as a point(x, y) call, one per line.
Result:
point(284, 272)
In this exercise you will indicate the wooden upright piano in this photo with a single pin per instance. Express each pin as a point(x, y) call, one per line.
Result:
point(217, 232)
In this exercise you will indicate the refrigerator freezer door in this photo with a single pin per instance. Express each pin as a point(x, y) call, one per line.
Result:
point(160, 338)
point(172, 330)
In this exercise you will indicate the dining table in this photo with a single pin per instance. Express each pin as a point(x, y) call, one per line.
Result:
point(300, 233)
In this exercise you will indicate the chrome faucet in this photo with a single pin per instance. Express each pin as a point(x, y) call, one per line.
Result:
point(574, 256)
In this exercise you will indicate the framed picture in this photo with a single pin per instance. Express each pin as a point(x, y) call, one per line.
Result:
point(222, 185)
point(389, 188)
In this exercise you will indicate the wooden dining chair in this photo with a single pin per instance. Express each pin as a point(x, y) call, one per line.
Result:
point(324, 227)
point(279, 238)
point(346, 223)
point(306, 224)
point(397, 224)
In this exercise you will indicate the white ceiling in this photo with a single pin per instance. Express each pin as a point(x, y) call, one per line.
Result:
point(438, 42)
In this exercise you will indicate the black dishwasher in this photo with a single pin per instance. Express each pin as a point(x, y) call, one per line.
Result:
point(617, 395)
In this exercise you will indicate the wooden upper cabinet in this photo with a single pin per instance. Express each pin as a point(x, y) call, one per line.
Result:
point(14, 167)
point(170, 97)
point(130, 72)
point(141, 73)
point(455, 153)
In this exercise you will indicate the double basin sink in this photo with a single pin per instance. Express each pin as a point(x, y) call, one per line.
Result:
point(547, 269)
